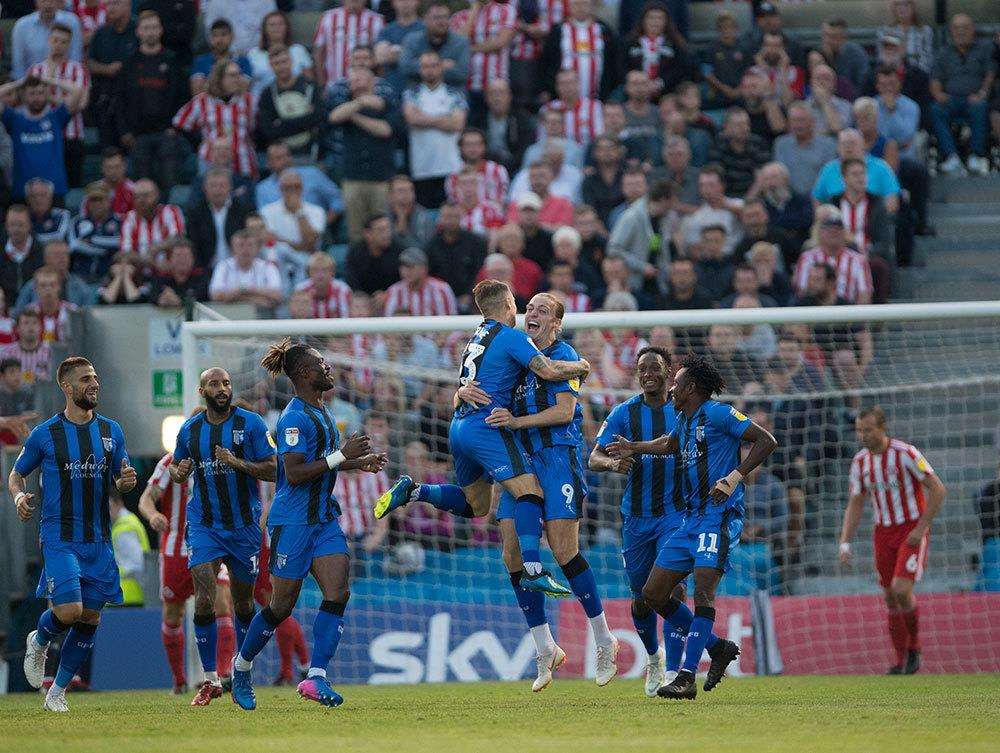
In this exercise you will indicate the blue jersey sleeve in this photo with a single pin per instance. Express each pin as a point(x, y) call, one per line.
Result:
point(296, 433)
point(32, 453)
point(181, 449)
point(120, 453)
point(728, 420)
point(519, 346)
point(258, 441)
point(565, 352)
point(614, 424)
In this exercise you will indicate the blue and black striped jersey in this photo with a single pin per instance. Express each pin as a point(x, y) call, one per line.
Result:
point(496, 357)
point(710, 448)
point(534, 394)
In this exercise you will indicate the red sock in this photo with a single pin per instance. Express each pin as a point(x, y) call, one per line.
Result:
point(900, 636)
point(173, 644)
point(912, 628)
point(225, 645)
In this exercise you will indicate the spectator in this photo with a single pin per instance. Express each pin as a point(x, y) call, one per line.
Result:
point(716, 209)
point(633, 187)
point(244, 277)
point(723, 63)
point(223, 110)
point(124, 282)
point(435, 114)
point(220, 44)
point(713, 266)
point(803, 151)
point(656, 48)
point(151, 228)
point(840, 343)
point(494, 180)
point(490, 27)
point(52, 309)
point(566, 245)
point(94, 234)
point(58, 67)
point(327, 297)
point(48, 222)
point(552, 132)
point(757, 227)
point(72, 287)
point(555, 186)
point(582, 117)
point(598, 63)
point(152, 89)
point(17, 403)
point(739, 152)
point(478, 215)
point(848, 58)
point(831, 113)
point(417, 293)
point(389, 44)
point(746, 283)
point(787, 209)
point(455, 255)
point(373, 262)
point(220, 157)
point(615, 276)
point(914, 81)
point(881, 180)
point(678, 170)
point(645, 247)
point(641, 118)
point(296, 227)
point(290, 107)
point(412, 225)
point(317, 188)
point(537, 239)
point(865, 111)
point(854, 276)
point(898, 116)
point(182, 280)
point(22, 253)
point(593, 234)
point(771, 281)
point(757, 341)
point(563, 285)
point(247, 17)
point(214, 218)
point(526, 275)
point(961, 80)
point(121, 190)
point(276, 31)
point(436, 35)
point(643, 149)
point(917, 38)
point(865, 218)
point(787, 79)
point(602, 189)
point(339, 31)
point(508, 130)
point(767, 20)
point(111, 45)
point(366, 123)
point(36, 131)
point(767, 512)
point(29, 39)
point(757, 98)
point(30, 350)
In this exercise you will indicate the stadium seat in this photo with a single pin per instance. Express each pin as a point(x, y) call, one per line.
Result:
point(990, 576)
point(180, 195)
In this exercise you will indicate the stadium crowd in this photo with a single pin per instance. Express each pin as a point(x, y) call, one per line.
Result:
point(420, 147)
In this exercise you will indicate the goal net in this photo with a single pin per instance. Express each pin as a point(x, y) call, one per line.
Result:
point(431, 600)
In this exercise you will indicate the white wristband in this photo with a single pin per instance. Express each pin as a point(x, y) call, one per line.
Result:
point(17, 497)
point(734, 477)
point(845, 548)
point(334, 459)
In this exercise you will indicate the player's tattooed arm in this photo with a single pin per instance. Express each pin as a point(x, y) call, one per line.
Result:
point(558, 371)
point(600, 461)
point(262, 470)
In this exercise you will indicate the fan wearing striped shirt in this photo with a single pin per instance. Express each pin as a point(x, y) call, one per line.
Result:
point(906, 495)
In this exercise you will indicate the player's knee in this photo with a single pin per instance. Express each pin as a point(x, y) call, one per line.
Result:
point(650, 596)
point(280, 609)
point(640, 609)
point(704, 597)
point(172, 613)
point(68, 613)
point(337, 604)
point(564, 550)
point(902, 592)
point(679, 592)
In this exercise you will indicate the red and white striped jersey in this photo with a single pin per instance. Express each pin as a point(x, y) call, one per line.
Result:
point(433, 298)
point(173, 505)
point(856, 221)
point(574, 303)
point(494, 182)
point(55, 327)
point(364, 349)
point(893, 481)
point(582, 48)
point(70, 72)
point(334, 303)
point(482, 218)
point(7, 335)
point(550, 13)
point(215, 118)
point(90, 18)
point(651, 47)
point(35, 364)
point(123, 198)
point(339, 32)
point(854, 275)
point(624, 351)
point(357, 491)
point(492, 19)
point(139, 233)
point(584, 121)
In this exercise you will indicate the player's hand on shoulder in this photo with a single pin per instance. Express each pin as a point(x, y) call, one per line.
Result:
point(501, 418)
point(473, 394)
point(128, 478)
point(225, 455)
point(24, 506)
point(356, 446)
point(621, 448)
point(179, 472)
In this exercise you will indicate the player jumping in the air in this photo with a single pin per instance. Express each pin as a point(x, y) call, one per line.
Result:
point(81, 454)
point(708, 437)
point(305, 534)
point(496, 358)
point(227, 450)
point(546, 418)
point(653, 504)
point(895, 475)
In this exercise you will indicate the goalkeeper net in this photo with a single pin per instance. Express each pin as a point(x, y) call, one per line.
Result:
point(431, 600)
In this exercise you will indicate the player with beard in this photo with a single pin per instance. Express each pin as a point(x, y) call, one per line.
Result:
point(81, 454)
point(228, 450)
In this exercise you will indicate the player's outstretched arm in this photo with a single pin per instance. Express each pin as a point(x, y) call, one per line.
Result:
point(852, 519)
point(300, 471)
point(558, 371)
point(372, 462)
point(664, 445)
point(22, 499)
point(762, 444)
point(936, 492)
point(555, 415)
point(601, 461)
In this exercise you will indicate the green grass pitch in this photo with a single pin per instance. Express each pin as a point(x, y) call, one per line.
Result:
point(801, 714)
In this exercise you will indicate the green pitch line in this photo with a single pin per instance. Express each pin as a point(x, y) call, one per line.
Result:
point(795, 714)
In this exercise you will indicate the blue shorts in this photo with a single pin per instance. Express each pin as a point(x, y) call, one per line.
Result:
point(704, 541)
point(294, 547)
point(75, 572)
point(564, 486)
point(642, 538)
point(480, 449)
point(238, 548)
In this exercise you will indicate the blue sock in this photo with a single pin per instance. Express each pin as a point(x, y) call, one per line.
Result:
point(532, 603)
point(327, 629)
point(262, 627)
point(447, 497)
point(583, 584)
point(205, 635)
point(241, 629)
point(680, 619)
point(674, 640)
point(49, 628)
point(646, 628)
point(76, 648)
point(528, 526)
point(698, 635)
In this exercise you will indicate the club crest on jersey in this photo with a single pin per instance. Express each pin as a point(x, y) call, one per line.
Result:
point(109, 444)
point(281, 560)
point(238, 436)
point(292, 436)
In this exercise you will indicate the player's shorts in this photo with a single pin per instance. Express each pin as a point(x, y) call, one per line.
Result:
point(239, 548)
point(480, 449)
point(703, 541)
point(176, 584)
point(294, 547)
point(564, 487)
point(74, 572)
point(642, 538)
point(894, 558)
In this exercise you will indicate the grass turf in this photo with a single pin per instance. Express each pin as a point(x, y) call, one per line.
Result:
point(813, 714)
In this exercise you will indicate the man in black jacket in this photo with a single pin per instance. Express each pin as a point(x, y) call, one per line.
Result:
point(508, 129)
point(373, 262)
point(21, 254)
point(217, 210)
point(179, 19)
point(290, 109)
point(456, 255)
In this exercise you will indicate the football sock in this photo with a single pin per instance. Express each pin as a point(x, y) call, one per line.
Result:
point(912, 622)
point(447, 497)
point(262, 627)
point(899, 634)
point(680, 618)
point(285, 637)
point(206, 636)
point(544, 642)
point(528, 526)
point(645, 626)
point(674, 639)
point(532, 603)
point(697, 638)
point(242, 623)
point(173, 644)
point(49, 628)
point(76, 648)
point(327, 629)
point(225, 645)
point(584, 585)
